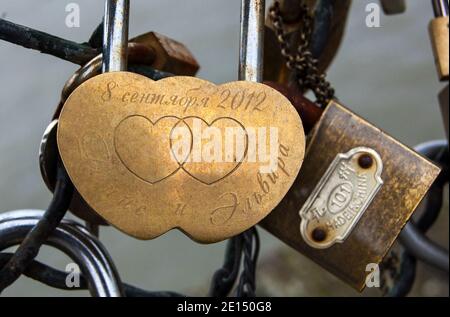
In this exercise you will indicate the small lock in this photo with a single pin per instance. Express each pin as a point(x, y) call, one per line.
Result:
point(439, 34)
point(391, 7)
point(355, 191)
point(170, 55)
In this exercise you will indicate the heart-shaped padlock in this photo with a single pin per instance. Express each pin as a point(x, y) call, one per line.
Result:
point(180, 153)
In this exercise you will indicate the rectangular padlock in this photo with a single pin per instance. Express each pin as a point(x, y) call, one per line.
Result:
point(439, 33)
point(356, 190)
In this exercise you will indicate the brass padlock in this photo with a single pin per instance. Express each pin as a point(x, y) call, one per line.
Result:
point(140, 156)
point(355, 191)
point(439, 33)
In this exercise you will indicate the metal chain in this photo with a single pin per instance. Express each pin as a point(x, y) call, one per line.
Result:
point(247, 281)
point(302, 61)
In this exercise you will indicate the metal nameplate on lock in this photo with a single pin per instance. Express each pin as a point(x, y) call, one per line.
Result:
point(119, 134)
point(341, 197)
point(339, 136)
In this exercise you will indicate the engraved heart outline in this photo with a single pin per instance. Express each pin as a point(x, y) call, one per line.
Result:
point(181, 163)
point(239, 162)
point(131, 170)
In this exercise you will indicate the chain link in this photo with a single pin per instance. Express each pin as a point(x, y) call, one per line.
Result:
point(302, 61)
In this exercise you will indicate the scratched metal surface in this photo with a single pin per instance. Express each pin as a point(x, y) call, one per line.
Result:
point(386, 75)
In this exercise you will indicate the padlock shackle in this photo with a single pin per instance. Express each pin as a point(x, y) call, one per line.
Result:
point(115, 35)
point(251, 40)
point(440, 8)
point(75, 241)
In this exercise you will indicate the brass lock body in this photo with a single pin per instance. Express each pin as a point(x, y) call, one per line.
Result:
point(355, 191)
point(140, 156)
point(439, 34)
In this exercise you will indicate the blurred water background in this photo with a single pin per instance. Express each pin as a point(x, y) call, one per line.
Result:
point(385, 74)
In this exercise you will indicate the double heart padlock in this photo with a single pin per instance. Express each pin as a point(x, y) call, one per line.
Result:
point(119, 133)
point(355, 191)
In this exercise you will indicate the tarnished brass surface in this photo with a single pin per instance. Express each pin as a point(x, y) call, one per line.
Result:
point(407, 177)
point(113, 137)
point(439, 33)
point(149, 49)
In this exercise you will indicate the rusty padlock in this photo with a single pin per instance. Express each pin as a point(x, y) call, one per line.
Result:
point(170, 55)
point(356, 190)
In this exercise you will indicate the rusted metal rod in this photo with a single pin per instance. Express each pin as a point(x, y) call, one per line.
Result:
point(46, 43)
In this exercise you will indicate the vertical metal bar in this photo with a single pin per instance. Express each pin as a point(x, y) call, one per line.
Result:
point(115, 35)
point(440, 8)
point(251, 40)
